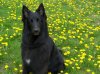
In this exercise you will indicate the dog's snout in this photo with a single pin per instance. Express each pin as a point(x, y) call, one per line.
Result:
point(36, 31)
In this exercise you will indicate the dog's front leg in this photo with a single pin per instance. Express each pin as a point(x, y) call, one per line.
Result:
point(25, 71)
point(43, 70)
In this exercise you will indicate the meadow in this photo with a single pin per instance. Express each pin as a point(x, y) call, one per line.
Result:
point(74, 26)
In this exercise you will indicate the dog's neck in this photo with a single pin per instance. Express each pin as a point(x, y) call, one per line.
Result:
point(31, 41)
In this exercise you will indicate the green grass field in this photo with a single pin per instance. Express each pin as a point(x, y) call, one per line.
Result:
point(74, 25)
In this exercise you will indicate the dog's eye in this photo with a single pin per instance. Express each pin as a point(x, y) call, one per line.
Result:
point(31, 20)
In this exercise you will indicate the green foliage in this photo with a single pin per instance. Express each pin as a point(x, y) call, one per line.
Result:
point(74, 25)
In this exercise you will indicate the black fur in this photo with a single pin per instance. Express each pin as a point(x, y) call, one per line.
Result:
point(37, 45)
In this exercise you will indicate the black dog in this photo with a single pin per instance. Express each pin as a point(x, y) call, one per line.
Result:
point(39, 53)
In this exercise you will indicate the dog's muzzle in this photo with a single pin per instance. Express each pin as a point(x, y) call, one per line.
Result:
point(36, 31)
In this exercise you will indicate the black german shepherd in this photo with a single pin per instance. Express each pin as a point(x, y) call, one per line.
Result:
point(39, 53)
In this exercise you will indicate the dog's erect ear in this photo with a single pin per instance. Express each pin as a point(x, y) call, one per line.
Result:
point(41, 10)
point(25, 12)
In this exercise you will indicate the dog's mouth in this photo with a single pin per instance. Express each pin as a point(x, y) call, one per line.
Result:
point(36, 33)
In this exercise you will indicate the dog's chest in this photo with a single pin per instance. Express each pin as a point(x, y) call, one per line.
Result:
point(27, 56)
point(28, 61)
point(35, 56)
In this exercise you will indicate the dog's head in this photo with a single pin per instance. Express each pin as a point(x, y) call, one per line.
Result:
point(34, 20)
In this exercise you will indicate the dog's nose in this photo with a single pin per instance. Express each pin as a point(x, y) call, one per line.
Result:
point(36, 29)
point(36, 32)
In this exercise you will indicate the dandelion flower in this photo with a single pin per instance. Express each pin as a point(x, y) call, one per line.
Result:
point(15, 69)
point(6, 66)
point(88, 70)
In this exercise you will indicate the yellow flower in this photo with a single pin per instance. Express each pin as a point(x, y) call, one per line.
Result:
point(14, 61)
point(76, 64)
point(69, 31)
point(68, 47)
point(66, 64)
point(20, 65)
point(78, 67)
point(7, 38)
point(6, 66)
point(73, 67)
point(86, 45)
point(5, 53)
point(14, 34)
point(66, 72)
point(95, 64)
point(92, 43)
point(0, 53)
point(61, 71)
point(7, 29)
point(5, 43)
point(71, 22)
point(98, 57)
point(73, 36)
point(11, 36)
point(50, 33)
point(89, 59)
point(1, 20)
point(81, 61)
point(86, 35)
point(99, 66)
point(65, 53)
point(19, 18)
point(77, 30)
point(70, 62)
point(78, 36)
point(1, 38)
point(88, 70)
point(16, 31)
point(73, 59)
point(81, 42)
point(6, 35)
point(68, 52)
point(98, 62)
point(55, 39)
point(21, 71)
point(15, 69)
point(67, 60)
point(93, 73)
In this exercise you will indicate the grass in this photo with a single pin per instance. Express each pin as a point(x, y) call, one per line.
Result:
point(74, 25)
